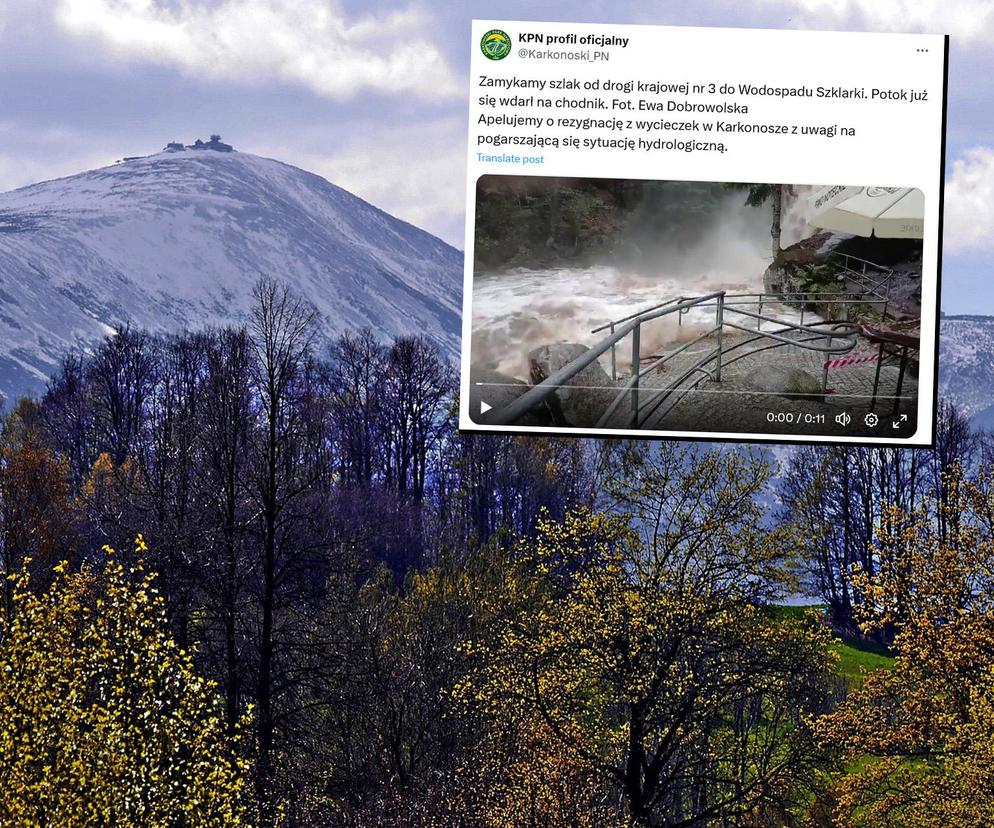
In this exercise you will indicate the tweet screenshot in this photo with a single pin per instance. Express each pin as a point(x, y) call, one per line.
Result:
point(694, 232)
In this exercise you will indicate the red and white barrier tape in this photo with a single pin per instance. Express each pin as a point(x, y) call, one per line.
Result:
point(852, 359)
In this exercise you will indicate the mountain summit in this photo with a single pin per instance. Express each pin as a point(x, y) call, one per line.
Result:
point(177, 239)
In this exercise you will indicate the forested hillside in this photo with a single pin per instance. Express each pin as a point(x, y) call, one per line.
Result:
point(254, 580)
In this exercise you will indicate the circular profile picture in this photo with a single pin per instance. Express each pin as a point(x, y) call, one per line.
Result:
point(496, 44)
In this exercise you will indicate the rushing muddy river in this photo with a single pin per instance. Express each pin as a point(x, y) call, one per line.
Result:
point(519, 310)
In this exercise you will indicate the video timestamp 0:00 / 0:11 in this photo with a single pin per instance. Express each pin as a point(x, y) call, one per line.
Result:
point(792, 417)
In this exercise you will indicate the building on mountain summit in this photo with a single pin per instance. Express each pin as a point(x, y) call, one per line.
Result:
point(215, 143)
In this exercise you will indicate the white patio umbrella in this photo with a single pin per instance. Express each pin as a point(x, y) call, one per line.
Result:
point(884, 212)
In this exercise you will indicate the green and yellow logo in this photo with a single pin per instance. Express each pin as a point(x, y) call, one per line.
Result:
point(496, 44)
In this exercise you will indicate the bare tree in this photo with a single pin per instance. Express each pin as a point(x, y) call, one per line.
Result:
point(68, 416)
point(166, 497)
point(418, 386)
point(120, 377)
point(357, 378)
point(225, 420)
point(840, 499)
point(281, 334)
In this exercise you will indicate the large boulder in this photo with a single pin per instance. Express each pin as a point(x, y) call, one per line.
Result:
point(585, 396)
point(497, 391)
point(784, 381)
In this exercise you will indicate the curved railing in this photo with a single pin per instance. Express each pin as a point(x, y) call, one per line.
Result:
point(675, 390)
point(840, 338)
point(537, 395)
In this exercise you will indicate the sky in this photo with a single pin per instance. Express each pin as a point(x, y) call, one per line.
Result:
point(373, 95)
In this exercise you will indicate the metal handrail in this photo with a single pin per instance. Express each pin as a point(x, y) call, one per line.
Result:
point(734, 359)
point(842, 331)
point(769, 298)
point(864, 261)
point(541, 392)
point(637, 313)
point(657, 396)
point(731, 299)
point(850, 330)
point(758, 298)
point(880, 287)
point(837, 298)
point(648, 370)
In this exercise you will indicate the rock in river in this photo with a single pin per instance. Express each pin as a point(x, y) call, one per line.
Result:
point(585, 396)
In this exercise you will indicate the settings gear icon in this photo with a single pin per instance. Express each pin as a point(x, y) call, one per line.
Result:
point(871, 419)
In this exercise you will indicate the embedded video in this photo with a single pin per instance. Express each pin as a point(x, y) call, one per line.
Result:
point(681, 306)
point(670, 235)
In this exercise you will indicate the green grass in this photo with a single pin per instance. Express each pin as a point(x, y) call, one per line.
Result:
point(857, 659)
point(856, 656)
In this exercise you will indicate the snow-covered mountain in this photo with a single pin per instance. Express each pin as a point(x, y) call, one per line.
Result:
point(966, 365)
point(176, 240)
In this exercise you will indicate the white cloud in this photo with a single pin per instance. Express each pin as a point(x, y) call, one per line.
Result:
point(969, 209)
point(307, 42)
point(967, 19)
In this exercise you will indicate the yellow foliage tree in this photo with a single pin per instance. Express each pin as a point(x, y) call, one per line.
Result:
point(518, 774)
point(687, 703)
point(524, 776)
point(920, 737)
point(103, 719)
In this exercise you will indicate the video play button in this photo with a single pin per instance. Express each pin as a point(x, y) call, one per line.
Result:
point(484, 408)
